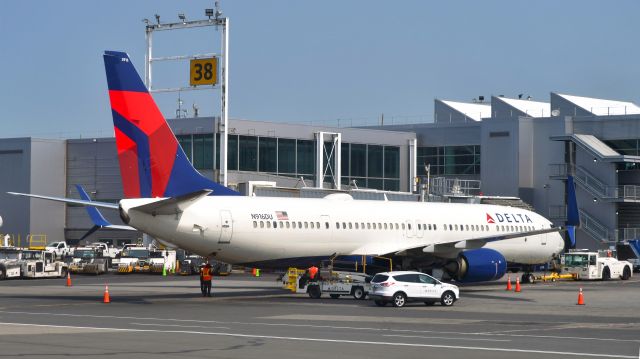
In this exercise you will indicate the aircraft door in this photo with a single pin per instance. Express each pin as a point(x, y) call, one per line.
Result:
point(410, 229)
point(226, 226)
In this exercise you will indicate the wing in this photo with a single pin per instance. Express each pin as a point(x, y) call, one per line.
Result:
point(382, 248)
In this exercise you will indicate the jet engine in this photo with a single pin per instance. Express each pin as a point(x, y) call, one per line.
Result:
point(478, 265)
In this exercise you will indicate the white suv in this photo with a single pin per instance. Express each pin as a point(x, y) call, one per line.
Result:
point(398, 288)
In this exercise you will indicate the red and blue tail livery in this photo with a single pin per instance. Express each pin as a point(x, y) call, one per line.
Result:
point(152, 163)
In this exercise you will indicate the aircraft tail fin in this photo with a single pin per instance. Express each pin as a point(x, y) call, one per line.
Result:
point(573, 214)
point(152, 163)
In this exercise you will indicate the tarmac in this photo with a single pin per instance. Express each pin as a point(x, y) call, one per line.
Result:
point(249, 317)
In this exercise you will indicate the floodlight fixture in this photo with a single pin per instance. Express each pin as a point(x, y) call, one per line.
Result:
point(157, 18)
point(208, 13)
point(182, 18)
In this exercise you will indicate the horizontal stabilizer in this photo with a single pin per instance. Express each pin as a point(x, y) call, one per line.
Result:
point(99, 222)
point(172, 205)
point(69, 200)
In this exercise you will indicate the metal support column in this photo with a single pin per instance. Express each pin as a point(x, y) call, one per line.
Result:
point(335, 168)
point(413, 164)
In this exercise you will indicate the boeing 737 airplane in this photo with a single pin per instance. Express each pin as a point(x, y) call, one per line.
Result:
point(169, 200)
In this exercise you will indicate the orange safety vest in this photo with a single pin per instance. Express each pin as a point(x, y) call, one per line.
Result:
point(312, 272)
point(206, 273)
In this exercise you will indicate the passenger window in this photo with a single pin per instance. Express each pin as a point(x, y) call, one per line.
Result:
point(426, 279)
point(409, 226)
point(368, 225)
point(275, 224)
point(403, 226)
point(419, 226)
point(299, 224)
point(350, 225)
point(288, 225)
point(261, 224)
point(451, 227)
point(385, 226)
point(362, 225)
point(407, 278)
point(337, 225)
point(379, 225)
point(293, 224)
point(466, 226)
point(268, 224)
point(326, 224)
point(445, 227)
point(344, 225)
point(456, 227)
point(435, 228)
point(255, 225)
point(311, 225)
point(317, 225)
point(357, 227)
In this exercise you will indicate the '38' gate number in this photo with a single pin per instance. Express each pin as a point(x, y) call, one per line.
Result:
point(203, 71)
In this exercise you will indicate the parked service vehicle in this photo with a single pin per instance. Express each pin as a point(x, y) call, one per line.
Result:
point(161, 260)
point(89, 260)
point(41, 264)
point(335, 284)
point(191, 264)
point(10, 258)
point(134, 259)
point(59, 249)
point(603, 265)
point(107, 251)
point(401, 287)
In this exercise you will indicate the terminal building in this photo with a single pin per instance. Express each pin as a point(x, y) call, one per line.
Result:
point(499, 147)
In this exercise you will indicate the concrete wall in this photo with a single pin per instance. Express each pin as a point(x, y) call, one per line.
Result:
point(15, 173)
point(499, 157)
point(47, 178)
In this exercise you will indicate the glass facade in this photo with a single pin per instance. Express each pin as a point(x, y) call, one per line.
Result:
point(371, 166)
point(451, 160)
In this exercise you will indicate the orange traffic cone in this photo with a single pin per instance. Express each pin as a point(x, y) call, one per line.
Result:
point(106, 298)
point(518, 285)
point(580, 298)
point(508, 283)
point(68, 279)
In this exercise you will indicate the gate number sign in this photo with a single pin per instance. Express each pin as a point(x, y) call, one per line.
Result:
point(203, 71)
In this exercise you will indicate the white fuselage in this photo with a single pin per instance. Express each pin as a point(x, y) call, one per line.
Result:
point(238, 229)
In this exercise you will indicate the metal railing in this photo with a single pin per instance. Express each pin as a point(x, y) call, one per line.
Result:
point(593, 185)
point(442, 186)
point(625, 234)
point(594, 228)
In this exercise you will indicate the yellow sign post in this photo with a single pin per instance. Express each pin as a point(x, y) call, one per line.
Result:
point(203, 71)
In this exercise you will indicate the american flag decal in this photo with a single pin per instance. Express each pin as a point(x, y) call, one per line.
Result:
point(282, 216)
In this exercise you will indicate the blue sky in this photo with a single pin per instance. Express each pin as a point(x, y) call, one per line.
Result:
point(304, 61)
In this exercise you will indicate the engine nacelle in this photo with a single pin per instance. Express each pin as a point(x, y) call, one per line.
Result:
point(480, 265)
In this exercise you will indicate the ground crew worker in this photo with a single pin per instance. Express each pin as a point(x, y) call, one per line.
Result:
point(205, 280)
